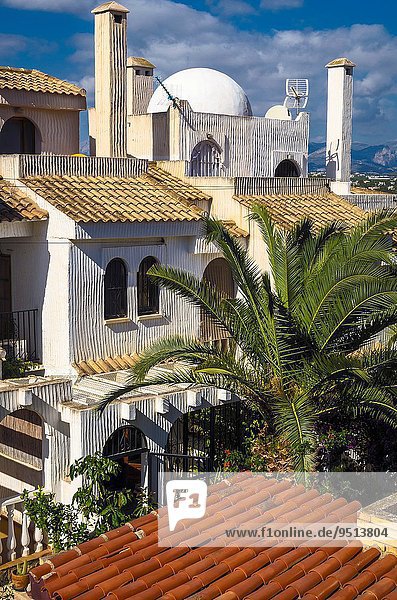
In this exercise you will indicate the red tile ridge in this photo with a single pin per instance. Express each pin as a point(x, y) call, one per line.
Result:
point(183, 591)
point(379, 590)
point(169, 583)
point(127, 591)
point(391, 575)
point(222, 585)
point(265, 593)
point(246, 587)
point(288, 594)
point(361, 582)
point(391, 596)
point(382, 566)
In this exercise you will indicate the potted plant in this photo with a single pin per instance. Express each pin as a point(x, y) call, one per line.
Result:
point(20, 577)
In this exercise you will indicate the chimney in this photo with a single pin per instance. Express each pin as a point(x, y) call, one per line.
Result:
point(339, 124)
point(110, 80)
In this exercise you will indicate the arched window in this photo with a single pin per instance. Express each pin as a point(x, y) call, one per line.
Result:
point(125, 440)
point(148, 290)
point(218, 275)
point(19, 136)
point(287, 168)
point(205, 160)
point(115, 289)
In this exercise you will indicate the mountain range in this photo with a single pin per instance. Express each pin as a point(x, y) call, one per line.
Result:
point(381, 159)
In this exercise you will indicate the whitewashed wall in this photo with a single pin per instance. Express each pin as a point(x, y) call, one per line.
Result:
point(46, 269)
point(91, 337)
point(46, 400)
point(59, 130)
point(251, 146)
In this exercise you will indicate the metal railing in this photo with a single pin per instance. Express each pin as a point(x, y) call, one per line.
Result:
point(31, 537)
point(18, 335)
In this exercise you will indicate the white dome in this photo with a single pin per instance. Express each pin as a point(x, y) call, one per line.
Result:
point(206, 90)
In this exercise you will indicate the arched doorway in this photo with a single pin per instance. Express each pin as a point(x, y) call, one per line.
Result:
point(21, 452)
point(219, 275)
point(205, 160)
point(19, 136)
point(128, 447)
point(287, 168)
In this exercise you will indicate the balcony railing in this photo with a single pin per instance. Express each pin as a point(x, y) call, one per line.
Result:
point(23, 537)
point(18, 335)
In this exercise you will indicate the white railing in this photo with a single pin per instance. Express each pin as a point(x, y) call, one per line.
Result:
point(19, 166)
point(9, 509)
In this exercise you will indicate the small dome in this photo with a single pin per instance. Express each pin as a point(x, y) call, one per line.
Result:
point(206, 90)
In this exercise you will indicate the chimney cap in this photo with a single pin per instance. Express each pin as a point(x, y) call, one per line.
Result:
point(138, 61)
point(340, 62)
point(110, 7)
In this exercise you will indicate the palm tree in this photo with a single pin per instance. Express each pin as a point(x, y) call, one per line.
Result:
point(304, 334)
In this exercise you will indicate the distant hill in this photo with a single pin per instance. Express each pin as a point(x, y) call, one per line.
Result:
point(380, 159)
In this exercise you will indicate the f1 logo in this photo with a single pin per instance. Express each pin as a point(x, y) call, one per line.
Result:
point(186, 499)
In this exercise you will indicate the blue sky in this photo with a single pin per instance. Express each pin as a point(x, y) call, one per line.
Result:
point(257, 42)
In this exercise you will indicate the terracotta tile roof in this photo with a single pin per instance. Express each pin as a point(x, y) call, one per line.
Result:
point(15, 206)
point(138, 61)
point(287, 210)
point(129, 563)
point(151, 196)
point(106, 365)
point(32, 80)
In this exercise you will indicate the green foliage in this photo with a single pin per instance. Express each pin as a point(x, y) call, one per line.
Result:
point(22, 568)
point(144, 502)
point(60, 522)
point(303, 332)
point(15, 368)
point(103, 508)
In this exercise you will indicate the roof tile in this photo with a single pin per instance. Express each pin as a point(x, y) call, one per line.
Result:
point(288, 210)
point(31, 80)
point(16, 206)
point(152, 196)
point(143, 570)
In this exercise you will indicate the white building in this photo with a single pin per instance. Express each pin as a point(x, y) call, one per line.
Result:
point(78, 234)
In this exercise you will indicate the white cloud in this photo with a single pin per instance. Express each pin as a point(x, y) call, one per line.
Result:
point(14, 45)
point(281, 4)
point(69, 6)
point(231, 8)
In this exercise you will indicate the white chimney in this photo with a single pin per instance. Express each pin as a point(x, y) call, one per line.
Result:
point(110, 120)
point(339, 124)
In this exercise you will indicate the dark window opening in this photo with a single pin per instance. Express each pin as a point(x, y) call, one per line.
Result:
point(118, 19)
point(287, 168)
point(148, 290)
point(115, 289)
point(19, 136)
point(147, 73)
point(138, 71)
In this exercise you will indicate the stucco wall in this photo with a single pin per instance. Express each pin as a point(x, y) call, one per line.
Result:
point(91, 337)
point(58, 129)
point(251, 146)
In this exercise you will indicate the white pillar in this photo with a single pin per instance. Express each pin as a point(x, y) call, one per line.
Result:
point(11, 539)
point(339, 124)
point(25, 537)
point(111, 79)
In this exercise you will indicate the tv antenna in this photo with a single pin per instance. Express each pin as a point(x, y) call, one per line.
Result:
point(297, 91)
point(173, 99)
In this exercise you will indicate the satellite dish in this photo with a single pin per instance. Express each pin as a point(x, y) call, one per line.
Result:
point(279, 112)
point(297, 91)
